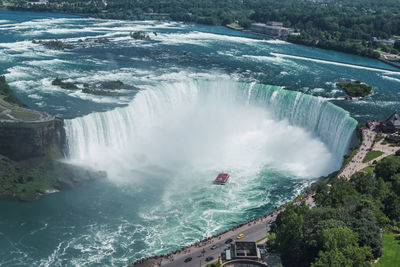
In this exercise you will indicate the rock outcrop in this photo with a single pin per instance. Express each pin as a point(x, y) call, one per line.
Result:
point(19, 141)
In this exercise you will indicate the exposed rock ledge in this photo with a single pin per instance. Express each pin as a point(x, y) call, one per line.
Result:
point(24, 140)
point(31, 165)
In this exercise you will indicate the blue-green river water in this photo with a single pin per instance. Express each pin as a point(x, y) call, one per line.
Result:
point(210, 100)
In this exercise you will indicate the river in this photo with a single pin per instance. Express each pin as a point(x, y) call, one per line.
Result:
point(210, 99)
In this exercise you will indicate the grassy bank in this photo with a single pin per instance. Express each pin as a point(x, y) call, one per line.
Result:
point(28, 179)
point(391, 250)
point(355, 89)
point(373, 154)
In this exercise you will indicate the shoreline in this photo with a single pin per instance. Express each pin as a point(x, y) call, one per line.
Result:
point(205, 242)
point(168, 259)
point(389, 62)
point(231, 28)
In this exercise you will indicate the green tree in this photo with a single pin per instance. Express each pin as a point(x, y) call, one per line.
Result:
point(341, 248)
point(289, 235)
point(338, 238)
point(397, 45)
point(387, 167)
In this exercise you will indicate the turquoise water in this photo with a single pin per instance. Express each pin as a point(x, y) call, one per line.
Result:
point(201, 109)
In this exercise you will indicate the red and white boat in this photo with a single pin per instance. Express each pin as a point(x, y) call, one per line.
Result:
point(222, 178)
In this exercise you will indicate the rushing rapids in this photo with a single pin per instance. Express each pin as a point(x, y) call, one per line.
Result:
point(157, 127)
point(163, 151)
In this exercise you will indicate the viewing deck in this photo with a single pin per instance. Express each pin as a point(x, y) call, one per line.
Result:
point(10, 113)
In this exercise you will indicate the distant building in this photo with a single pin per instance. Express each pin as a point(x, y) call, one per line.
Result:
point(40, 2)
point(390, 41)
point(389, 125)
point(157, 16)
point(275, 23)
point(271, 28)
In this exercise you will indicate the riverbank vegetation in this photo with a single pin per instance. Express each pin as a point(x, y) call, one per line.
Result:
point(343, 25)
point(355, 89)
point(344, 228)
point(27, 180)
point(7, 94)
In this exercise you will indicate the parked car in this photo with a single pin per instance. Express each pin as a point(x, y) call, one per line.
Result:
point(213, 247)
point(209, 258)
point(188, 259)
point(228, 241)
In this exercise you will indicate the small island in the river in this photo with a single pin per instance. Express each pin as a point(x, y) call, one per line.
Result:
point(104, 88)
point(64, 85)
point(355, 88)
point(140, 35)
point(55, 44)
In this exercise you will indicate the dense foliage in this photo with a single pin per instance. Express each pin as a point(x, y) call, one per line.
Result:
point(7, 94)
point(345, 25)
point(344, 227)
point(355, 89)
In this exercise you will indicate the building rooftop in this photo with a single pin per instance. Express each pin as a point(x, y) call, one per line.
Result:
point(394, 119)
point(246, 249)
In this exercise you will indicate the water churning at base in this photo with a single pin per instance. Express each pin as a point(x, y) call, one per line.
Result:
point(208, 125)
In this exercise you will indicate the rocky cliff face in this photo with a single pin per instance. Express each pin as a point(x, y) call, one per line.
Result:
point(19, 141)
point(29, 161)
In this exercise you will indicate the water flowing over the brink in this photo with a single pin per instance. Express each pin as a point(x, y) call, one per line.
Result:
point(118, 131)
point(332, 124)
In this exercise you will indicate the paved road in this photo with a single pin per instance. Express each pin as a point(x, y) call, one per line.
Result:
point(252, 231)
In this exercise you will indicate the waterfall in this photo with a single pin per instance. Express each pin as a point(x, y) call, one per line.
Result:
point(123, 132)
point(332, 124)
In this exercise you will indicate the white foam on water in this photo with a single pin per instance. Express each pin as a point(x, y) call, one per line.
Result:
point(202, 38)
point(177, 109)
point(334, 63)
point(274, 59)
point(390, 78)
point(276, 41)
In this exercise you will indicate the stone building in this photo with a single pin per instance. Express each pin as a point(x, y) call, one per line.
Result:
point(390, 125)
point(271, 28)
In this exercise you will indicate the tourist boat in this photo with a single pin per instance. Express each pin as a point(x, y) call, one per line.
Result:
point(222, 178)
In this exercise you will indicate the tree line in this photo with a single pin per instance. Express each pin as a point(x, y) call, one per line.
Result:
point(344, 25)
point(344, 228)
